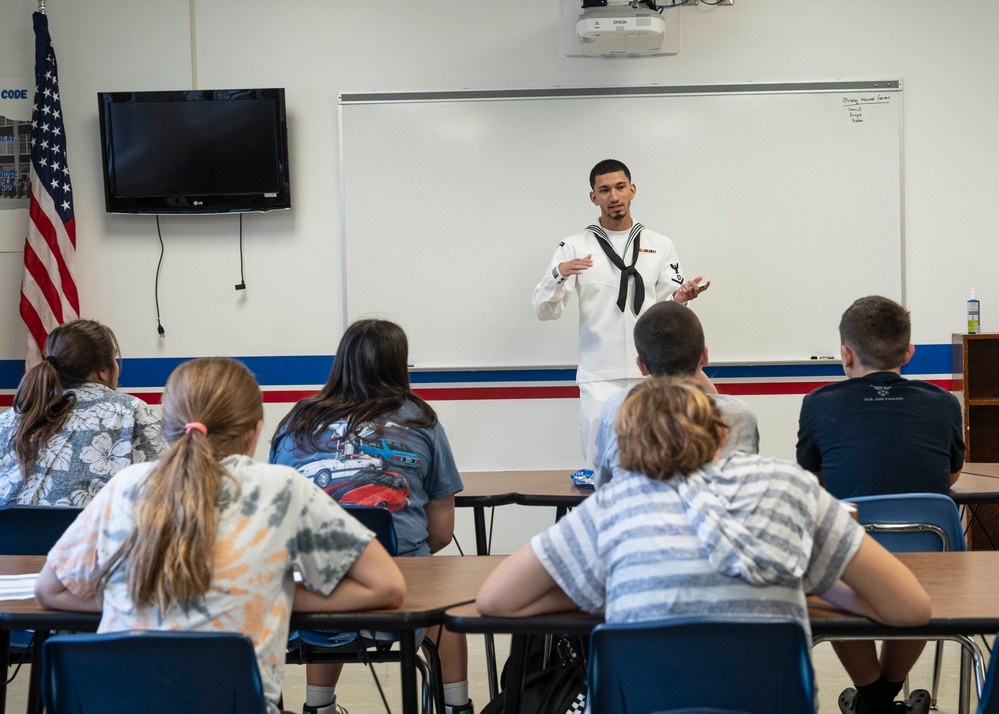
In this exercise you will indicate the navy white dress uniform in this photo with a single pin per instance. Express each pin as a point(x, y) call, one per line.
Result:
point(632, 270)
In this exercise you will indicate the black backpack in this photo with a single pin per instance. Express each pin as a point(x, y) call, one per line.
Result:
point(555, 681)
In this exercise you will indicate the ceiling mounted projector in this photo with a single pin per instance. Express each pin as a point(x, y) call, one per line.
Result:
point(620, 31)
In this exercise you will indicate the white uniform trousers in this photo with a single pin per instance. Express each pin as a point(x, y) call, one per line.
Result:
point(592, 396)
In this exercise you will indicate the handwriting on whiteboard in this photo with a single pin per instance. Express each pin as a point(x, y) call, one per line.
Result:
point(855, 105)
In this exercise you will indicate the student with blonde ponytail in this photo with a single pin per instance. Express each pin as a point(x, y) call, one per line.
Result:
point(206, 538)
point(69, 430)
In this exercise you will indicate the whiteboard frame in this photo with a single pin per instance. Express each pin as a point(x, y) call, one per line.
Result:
point(363, 98)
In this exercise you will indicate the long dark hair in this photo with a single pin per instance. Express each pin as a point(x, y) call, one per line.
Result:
point(73, 352)
point(369, 380)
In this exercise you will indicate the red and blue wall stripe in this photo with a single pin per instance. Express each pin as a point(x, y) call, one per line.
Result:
point(290, 378)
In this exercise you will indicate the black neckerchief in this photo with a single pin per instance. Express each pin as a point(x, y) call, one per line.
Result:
point(627, 271)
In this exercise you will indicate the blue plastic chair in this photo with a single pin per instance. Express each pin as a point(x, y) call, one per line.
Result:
point(151, 672)
point(29, 530)
point(33, 530)
point(912, 522)
point(921, 523)
point(379, 520)
point(988, 702)
point(317, 646)
point(701, 664)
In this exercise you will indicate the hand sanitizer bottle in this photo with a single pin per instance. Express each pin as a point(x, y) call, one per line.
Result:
point(974, 321)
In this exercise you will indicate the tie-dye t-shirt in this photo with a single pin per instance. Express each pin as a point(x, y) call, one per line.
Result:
point(278, 521)
point(104, 432)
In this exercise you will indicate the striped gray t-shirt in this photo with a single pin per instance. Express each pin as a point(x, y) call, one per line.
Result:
point(746, 537)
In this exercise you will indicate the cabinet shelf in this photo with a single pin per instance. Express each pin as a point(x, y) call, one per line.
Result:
point(975, 360)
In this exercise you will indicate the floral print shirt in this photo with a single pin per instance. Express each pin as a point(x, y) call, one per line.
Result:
point(271, 521)
point(104, 432)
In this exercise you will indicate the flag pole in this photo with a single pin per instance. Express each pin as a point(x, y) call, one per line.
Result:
point(41, 6)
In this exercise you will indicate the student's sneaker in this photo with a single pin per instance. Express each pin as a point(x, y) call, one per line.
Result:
point(917, 703)
point(466, 708)
point(332, 708)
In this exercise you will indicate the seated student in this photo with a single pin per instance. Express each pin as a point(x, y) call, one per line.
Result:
point(879, 433)
point(69, 430)
point(226, 563)
point(744, 536)
point(366, 438)
point(669, 340)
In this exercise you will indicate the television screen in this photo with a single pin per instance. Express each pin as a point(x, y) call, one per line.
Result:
point(201, 151)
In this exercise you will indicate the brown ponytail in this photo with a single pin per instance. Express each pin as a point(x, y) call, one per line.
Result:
point(168, 555)
point(73, 352)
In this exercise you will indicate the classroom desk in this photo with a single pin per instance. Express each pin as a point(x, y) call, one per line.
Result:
point(484, 489)
point(979, 483)
point(961, 585)
point(982, 469)
point(973, 489)
point(433, 585)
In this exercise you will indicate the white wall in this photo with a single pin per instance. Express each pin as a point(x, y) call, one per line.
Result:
point(945, 54)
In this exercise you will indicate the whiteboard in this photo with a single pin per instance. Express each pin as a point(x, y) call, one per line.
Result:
point(788, 197)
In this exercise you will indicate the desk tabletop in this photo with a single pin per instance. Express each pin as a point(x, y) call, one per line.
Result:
point(433, 585)
point(982, 469)
point(531, 488)
point(973, 487)
point(979, 483)
point(962, 587)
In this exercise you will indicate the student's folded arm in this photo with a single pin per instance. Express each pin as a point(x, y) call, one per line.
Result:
point(440, 522)
point(955, 476)
point(520, 587)
point(877, 585)
point(374, 581)
point(51, 594)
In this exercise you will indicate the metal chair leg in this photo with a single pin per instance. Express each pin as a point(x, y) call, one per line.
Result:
point(937, 669)
point(490, 665)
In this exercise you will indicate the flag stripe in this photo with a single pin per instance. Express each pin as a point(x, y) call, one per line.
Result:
point(36, 331)
point(61, 246)
point(42, 276)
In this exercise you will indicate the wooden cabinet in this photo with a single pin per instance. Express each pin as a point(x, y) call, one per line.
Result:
point(976, 364)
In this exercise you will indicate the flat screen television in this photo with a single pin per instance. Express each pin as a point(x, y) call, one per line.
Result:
point(200, 151)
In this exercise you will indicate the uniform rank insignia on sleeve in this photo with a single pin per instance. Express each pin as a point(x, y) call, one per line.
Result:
point(562, 244)
point(555, 273)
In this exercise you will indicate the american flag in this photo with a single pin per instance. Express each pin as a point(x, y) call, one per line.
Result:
point(48, 289)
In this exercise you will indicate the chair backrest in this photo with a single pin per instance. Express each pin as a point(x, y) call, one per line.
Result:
point(912, 522)
point(378, 519)
point(988, 703)
point(700, 664)
point(33, 530)
point(152, 672)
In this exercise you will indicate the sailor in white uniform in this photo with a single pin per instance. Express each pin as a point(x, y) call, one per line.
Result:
point(619, 269)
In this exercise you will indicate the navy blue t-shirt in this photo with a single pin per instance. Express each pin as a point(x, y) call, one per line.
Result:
point(880, 434)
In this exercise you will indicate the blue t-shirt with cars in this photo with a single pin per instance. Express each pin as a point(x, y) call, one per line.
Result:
point(381, 464)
